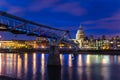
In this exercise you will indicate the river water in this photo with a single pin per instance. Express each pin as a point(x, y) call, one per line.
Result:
point(33, 66)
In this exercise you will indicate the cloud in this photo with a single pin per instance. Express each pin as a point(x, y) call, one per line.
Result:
point(54, 5)
point(15, 10)
point(110, 23)
point(3, 3)
point(38, 5)
point(10, 8)
point(71, 8)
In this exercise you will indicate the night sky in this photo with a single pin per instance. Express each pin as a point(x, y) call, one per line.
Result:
point(97, 17)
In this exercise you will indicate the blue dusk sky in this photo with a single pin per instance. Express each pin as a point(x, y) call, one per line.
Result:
point(97, 17)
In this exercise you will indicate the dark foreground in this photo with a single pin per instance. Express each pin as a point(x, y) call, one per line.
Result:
point(7, 78)
point(80, 67)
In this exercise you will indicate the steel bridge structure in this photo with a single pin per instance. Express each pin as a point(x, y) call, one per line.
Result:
point(17, 25)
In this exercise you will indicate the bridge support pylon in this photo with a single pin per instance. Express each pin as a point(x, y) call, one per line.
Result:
point(54, 57)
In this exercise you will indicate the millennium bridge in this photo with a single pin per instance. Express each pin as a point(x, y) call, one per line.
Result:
point(17, 25)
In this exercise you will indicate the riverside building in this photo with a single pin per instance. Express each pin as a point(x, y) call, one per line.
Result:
point(83, 41)
point(90, 42)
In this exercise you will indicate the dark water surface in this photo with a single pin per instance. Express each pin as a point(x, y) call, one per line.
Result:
point(81, 67)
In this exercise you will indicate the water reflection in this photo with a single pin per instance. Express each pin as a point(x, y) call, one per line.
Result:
point(19, 65)
point(88, 60)
point(26, 63)
point(0, 64)
point(79, 60)
point(61, 58)
point(32, 66)
point(43, 66)
point(105, 73)
point(54, 73)
point(70, 60)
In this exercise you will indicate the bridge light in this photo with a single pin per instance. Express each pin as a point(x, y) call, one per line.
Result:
point(111, 42)
point(42, 46)
point(60, 46)
point(70, 47)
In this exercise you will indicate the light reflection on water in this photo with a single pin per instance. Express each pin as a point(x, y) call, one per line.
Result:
point(0, 64)
point(43, 65)
point(83, 67)
point(70, 60)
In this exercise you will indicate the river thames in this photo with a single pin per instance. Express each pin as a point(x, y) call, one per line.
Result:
point(33, 66)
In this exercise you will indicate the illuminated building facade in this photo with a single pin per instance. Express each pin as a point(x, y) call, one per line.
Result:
point(15, 44)
point(40, 42)
point(83, 42)
point(93, 43)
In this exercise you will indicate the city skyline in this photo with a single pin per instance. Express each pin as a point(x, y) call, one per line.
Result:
point(96, 17)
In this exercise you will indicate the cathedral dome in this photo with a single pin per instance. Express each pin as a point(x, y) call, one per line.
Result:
point(80, 30)
point(80, 33)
